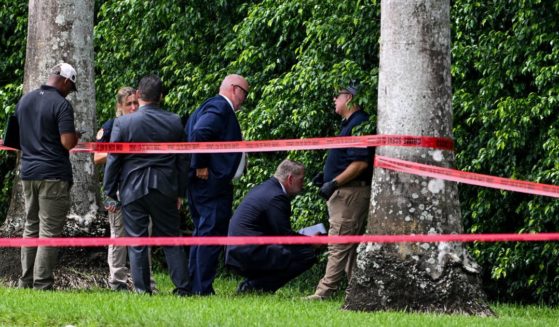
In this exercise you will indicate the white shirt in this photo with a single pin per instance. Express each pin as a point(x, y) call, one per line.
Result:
point(243, 162)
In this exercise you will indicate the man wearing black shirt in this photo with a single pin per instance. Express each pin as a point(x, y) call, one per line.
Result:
point(47, 133)
point(345, 183)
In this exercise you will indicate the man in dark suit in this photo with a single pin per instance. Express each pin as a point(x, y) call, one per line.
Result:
point(149, 185)
point(266, 211)
point(210, 192)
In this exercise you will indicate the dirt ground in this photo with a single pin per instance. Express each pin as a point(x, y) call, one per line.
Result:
point(78, 268)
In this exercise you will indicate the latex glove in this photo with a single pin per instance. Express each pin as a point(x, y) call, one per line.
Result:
point(328, 189)
point(318, 180)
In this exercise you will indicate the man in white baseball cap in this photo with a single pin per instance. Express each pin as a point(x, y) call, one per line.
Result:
point(48, 121)
point(67, 72)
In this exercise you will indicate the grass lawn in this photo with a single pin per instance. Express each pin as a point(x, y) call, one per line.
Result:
point(106, 308)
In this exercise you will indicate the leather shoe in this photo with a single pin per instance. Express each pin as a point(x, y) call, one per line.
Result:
point(181, 293)
point(245, 287)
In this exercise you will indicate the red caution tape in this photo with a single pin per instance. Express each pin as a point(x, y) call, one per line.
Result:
point(267, 145)
point(7, 148)
point(467, 177)
point(271, 145)
point(260, 240)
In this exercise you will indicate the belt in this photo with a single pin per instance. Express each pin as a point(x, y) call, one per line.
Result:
point(357, 183)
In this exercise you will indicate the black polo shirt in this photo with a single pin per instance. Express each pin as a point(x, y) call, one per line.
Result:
point(43, 115)
point(338, 159)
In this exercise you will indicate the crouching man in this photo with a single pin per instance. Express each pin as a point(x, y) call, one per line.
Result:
point(266, 211)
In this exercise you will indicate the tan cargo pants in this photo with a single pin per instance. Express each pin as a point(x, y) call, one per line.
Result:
point(47, 203)
point(347, 210)
point(117, 255)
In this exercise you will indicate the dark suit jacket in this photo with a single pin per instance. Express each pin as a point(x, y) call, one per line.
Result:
point(265, 211)
point(134, 174)
point(214, 121)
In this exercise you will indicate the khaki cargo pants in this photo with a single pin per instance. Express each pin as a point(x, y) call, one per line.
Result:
point(47, 203)
point(347, 210)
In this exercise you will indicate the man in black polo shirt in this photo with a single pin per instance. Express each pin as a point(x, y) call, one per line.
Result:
point(47, 133)
point(345, 183)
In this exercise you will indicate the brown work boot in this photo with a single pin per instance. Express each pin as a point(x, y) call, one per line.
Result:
point(314, 297)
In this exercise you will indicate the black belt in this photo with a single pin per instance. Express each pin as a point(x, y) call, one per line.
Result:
point(357, 183)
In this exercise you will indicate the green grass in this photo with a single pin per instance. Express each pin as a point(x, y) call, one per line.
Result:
point(105, 308)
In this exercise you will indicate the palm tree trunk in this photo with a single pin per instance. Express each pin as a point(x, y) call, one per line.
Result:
point(414, 98)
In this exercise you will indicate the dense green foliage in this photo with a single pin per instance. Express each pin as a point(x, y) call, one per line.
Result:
point(295, 53)
point(13, 29)
point(506, 92)
point(285, 308)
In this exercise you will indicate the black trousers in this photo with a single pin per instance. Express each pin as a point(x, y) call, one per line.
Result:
point(166, 222)
point(303, 257)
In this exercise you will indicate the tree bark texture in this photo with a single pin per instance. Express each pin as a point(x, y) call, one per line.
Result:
point(62, 31)
point(414, 98)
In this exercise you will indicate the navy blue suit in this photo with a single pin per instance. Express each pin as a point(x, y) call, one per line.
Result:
point(210, 200)
point(266, 211)
point(149, 185)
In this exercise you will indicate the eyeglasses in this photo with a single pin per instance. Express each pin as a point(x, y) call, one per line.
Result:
point(242, 88)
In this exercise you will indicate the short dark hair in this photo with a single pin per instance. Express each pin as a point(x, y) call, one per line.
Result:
point(150, 88)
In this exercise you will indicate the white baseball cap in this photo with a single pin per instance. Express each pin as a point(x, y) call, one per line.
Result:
point(65, 70)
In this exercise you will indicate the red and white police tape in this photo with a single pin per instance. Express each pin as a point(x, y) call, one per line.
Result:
point(308, 144)
point(261, 240)
point(441, 143)
point(467, 177)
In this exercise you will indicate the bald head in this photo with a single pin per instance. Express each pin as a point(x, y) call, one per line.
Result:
point(235, 88)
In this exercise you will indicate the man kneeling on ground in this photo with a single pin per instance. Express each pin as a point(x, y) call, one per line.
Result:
point(266, 211)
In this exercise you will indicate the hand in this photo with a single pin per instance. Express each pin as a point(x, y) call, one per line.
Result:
point(328, 189)
point(111, 205)
point(317, 246)
point(318, 180)
point(202, 173)
point(179, 203)
point(80, 133)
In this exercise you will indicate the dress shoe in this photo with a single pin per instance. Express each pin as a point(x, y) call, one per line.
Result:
point(245, 287)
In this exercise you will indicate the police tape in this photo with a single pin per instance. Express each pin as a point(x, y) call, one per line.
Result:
point(266, 240)
point(467, 177)
point(309, 144)
point(321, 143)
point(6, 148)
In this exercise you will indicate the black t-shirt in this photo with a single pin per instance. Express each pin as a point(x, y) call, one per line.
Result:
point(339, 159)
point(43, 115)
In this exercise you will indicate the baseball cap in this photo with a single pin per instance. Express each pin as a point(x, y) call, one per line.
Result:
point(67, 71)
point(352, 88)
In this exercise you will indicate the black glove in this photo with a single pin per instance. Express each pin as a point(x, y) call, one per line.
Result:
point(318, 180)
point(328, 189)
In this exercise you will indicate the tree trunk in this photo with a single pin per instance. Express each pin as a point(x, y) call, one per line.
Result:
point(414, 98)
point(62, 30)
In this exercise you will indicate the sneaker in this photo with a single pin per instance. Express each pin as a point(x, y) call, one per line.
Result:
point(314, 297)
point(121, 287)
